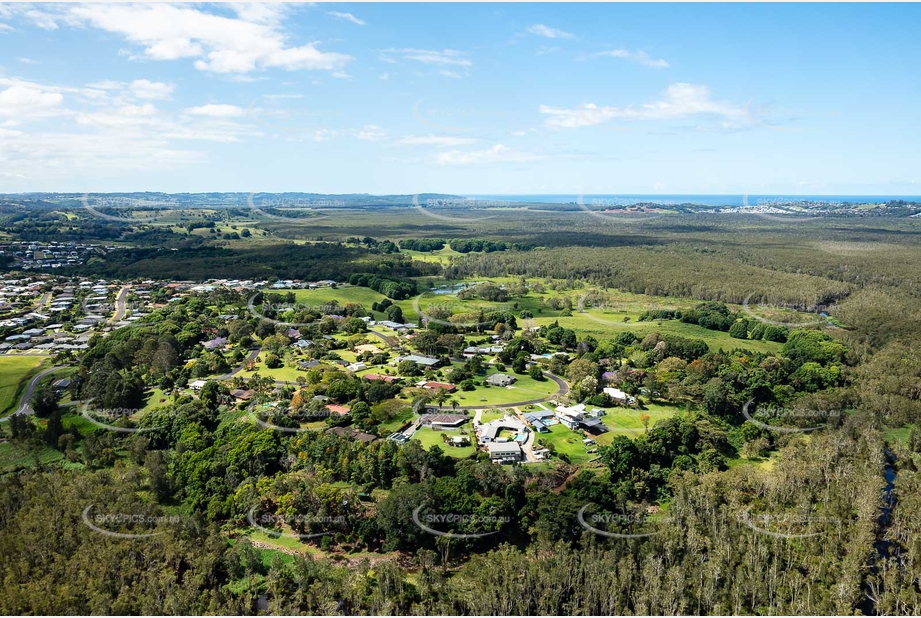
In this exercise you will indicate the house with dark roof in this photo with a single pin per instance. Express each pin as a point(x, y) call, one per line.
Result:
point(242, 395)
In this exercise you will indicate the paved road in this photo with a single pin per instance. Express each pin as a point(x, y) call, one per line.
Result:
point(41, 302)
point(24, 407)
point(388, 340)
point(120, 305)
point(560, 382)
point(253, 354)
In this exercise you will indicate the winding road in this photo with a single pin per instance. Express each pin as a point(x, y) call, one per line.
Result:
point(24, 407)
point(253, 355)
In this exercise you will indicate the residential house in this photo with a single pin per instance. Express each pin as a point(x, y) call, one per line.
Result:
point(500, 379)
point(435, 386)
point(241, 395)
point(504, 452)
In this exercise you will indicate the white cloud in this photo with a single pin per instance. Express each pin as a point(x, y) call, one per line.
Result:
point(680, 100)
point(384, 76)
point(111, 134)
point(346, 17)
point(543, 50)
point(371, 133)
point(496, 154)
point(24, 100)
point(146, 89)
point(550, 33)
point(446, 57)
point(436, 140)
point(216, 110)
point(639, 56)
point(251, 40)
point(5, 28)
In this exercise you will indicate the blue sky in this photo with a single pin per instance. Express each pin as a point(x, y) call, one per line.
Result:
point(461, 98)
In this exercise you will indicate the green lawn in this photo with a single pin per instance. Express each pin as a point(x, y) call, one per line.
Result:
point(566, 441)
point(344, 294)
point(491, 415)
point(608, 325)
point(396, 422)
point(15, 372)
point(626, 421)
point(524, 389)
point(154, 395)
point(287, 373)
point(430, 438)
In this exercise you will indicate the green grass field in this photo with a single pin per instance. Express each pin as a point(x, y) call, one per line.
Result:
point(430, 438)
point(287, 373)
point(524, 389)
point(154, 395)
point(344, 294)
point(608, 325)
point(566, 442)
point(626, 421)
point(15, 372)
point(491, 415)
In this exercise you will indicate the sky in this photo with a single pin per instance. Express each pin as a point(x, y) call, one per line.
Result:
point(461, 98)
